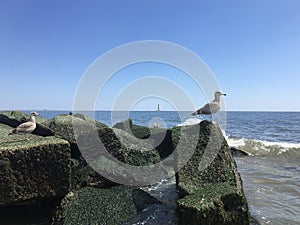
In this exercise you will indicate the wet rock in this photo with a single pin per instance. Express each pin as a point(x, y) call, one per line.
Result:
point(98, 143)
point(90, 120)
point(124, 125)
point(33, 169)
point(159, 138)
point(210, 188)
point(62, 127)
point(219, 203)
point(138, 152)
point(37, 213)
point(83, 175)
point(105, 206)
point(238, 152)
point(122, 146)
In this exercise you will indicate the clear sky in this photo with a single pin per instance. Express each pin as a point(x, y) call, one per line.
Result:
point(251, 46)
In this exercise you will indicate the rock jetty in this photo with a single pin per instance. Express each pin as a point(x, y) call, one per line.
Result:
point(50, 168)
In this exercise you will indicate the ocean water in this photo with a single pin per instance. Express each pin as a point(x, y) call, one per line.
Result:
point(271, 174)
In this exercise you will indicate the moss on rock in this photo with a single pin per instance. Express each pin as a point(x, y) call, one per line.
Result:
point(104, 206)
point(97, 141)
point(83, 175)
point(124, 125)
point(159, 138)
point(62, 127)
point(207, 177)
point(137, 152)
point(132, 151)
point(218, 203)
point(33, 169)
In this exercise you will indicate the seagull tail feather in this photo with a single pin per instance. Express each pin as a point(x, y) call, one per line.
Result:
point(13, 132)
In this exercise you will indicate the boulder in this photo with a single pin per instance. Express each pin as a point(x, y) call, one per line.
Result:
point(105, 206)
point(32, 169)
point(123, 147)
point(124, 125)
point(15, 118)
point(159, 138)
point(210, 188)
point(218, 203)
point(62, 127)
point(238, 152)
point(83, 175)
point(137, 152)
point(90, 120)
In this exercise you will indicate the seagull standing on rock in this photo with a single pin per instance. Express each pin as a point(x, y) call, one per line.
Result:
point(211, 107)
point(27, 127)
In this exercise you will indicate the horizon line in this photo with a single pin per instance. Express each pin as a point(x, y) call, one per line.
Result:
point(141, 110)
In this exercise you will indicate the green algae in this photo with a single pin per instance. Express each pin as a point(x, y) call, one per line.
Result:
point(211, 194)
point(104, 206)
point(219, 203)
point(29, 168)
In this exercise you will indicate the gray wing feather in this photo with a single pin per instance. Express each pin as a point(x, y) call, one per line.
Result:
point(209, 108)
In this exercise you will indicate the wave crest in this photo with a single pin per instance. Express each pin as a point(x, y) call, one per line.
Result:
point(189, 121)
point(259, 147)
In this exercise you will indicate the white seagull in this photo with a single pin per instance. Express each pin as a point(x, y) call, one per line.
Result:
point(211, 107)
point(27, 127)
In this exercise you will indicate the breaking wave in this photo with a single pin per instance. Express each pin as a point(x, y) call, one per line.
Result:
point(190, 121)
point(256, 147)
point(259, 147)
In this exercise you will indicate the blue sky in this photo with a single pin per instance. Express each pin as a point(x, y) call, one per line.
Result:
point(252, 47)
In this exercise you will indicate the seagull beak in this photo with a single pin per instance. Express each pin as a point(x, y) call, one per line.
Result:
point(224, 94)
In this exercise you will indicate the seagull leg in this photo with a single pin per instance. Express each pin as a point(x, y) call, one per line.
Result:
point(211, 120)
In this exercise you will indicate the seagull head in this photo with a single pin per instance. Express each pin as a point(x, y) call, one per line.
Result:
point(34, 114)
point(219, 93)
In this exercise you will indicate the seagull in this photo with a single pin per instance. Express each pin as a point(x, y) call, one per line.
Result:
point(27, 127)
point(211, 107)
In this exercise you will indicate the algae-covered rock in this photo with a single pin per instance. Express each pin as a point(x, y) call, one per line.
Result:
point(90, 120)
point(140, 131)
point(101, 206)
point(217, 154)
point(134, 154)
point(83, 175)
point(32, 169)
point(124, 125)
point(134, 161)
point(208, 182)
point(162, 141)
point(159, 138)
point(218, 203)
point(62, 127)
point(137, 152)
point(15, 118)
point(95, 143)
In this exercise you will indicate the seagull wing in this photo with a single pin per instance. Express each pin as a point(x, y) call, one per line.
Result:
point(209, 108)
point(25, 127)
point(214, 107)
